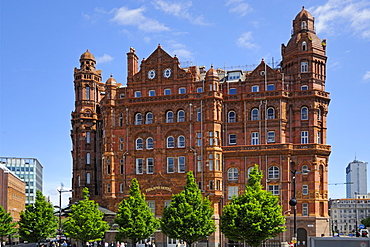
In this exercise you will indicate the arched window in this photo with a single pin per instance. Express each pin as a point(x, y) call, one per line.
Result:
point(304, 25)
point(88, 158)
point(254, 114)
point(232, 174)
point(169, 117)
point(181, 142)
point(304, 113)
point(270, 113)
point(87, 137)
point(88, 179)
point(149, 118)
point(250, 170)
point(139, 144)
point(304, 46)
point(273, 172)
point(138, 119)
point(149, 143)
point(231, 118)
point(170, 142)
point(304, 169)
point(181, 116)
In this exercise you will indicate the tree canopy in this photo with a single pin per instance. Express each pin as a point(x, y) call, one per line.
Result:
point(134, 217)
point(7, 227)
point(253, 216)
point(366, 222)
point(189, 216)
point(37, 222)
point(85, 223)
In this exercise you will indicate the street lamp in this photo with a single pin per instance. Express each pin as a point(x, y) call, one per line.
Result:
point(293, 202)
point(60, 206)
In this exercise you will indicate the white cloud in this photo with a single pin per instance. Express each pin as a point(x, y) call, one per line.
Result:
point(245, 40)
point(367, 75)
point(337, 16)
point(179, 9)
point(135, 17)
point(239, 7)
point(104, 59)
point(180, 51)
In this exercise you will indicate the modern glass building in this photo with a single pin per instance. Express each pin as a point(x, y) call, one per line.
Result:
point(29, 170)
point(356, 178)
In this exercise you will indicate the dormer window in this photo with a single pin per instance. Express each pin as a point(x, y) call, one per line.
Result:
point(304, 46)
point(304, 25)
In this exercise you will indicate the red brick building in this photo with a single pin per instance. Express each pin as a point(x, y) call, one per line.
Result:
point(168, 120)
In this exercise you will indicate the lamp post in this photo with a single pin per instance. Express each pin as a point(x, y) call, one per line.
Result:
point(60, 207)
point(293, 203)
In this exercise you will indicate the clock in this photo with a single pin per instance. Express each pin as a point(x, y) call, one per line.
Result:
point(167, 73)
point(151, 74)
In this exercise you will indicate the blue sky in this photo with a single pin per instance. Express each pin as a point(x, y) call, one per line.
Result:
point(41, 42)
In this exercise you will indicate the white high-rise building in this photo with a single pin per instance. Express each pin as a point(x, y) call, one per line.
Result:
point(356, 178)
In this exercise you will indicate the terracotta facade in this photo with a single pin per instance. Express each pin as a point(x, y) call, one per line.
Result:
point(168, 120)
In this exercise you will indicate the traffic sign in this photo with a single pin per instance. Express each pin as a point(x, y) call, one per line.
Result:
point(361, 226)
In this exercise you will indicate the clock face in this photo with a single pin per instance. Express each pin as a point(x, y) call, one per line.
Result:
point(151, 74)
point(167, 73)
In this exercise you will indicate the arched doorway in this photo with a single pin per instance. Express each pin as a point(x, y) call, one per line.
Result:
point(302, 237)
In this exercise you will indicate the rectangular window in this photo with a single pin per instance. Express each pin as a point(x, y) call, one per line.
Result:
point(199, 114)
point(255, 138)
point(211, 185)
point(170, 164)
point(108, 188)
point(199, 163)
point(270, 136)
point(319, 137)
point(304, 67)
point(121, 188)
point(274, 189)
point(121, 169)
point(121, 146)
point(167, 91)
point(233, 76)
point(232, 139)
point(210, 138)
point(137, 94)
point(304, 137)
point(270, 87)
point(150, 165)
point(218, 162)
point(218, 184)
point(232, 90)
point(304, 189)
point(232, 191)
point(139, 166)
point(199, 90)
point(255, 89)
point(182, 90)
point(151, 93)
point(151, 205)
point(304, 209)
point(108, 169)
point(181, 163)
point(304, 87)
point(167, 203)
point(122, 96)
point(217, 134)
point(210, 162)
point(199, 139)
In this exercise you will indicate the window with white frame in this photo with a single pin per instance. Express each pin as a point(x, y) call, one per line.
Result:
point(210, 162)
point(167, 91)
point(151, 205)
point(304, 67)
point(231, 118)
point(274, 189)
point(304, 189)
point(270, 136)
point(233, 174)
point(149, 118)
point(270, 113)
point(250, 170)
point(88, 178)
point(304, 137)
point(139, 166)
point(181, 141)
point(232, 139)
point(304, 87)
point(181, 164)
point(255, 89)
point(217, 136)
point(232, 90)
point(169, 117)
point(255, 138)
point(210, 136)
point(232, 191)
point(88, 160)
point(182, 90)
point(273, 172)
point(254, 114)
point(170, 164)
point(181, 116)
point(319, 137)
point(304, 209)
point(88, 139)
point(199, 139)
point(149, 143)
point(138, 119)
point(137, 94)
point(270, 87)
point(151, 93)
point(304, 113)
point(218, 162)
point(139, 144)
point(199, 163)
point(149, 165)
point(170, 142)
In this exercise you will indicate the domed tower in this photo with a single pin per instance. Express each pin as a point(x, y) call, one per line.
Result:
point(86, 127)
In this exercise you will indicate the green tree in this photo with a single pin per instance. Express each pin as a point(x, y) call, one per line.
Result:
point(85, 223)
point(7, 227)
point(366, 222)
point(254, 216)
point(37, 222)
point(134, 217)
point(189, 216)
